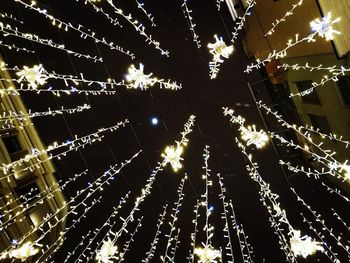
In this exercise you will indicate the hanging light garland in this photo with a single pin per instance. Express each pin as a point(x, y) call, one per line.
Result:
point(187, 13)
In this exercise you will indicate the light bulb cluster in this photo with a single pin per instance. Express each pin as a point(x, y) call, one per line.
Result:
point(16, 48)
point(249, 134)
point(172, 154)
point(149, 15)
point(220, 51)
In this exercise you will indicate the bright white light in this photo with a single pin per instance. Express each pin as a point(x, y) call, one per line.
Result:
point(172, 155)
point(138, 78)
point(304, 246)
point(252, 136)
point(208, 254)
point(324, 27)
point(107, 253)
point(24, 252)
point(154, 121)
point(35, 75)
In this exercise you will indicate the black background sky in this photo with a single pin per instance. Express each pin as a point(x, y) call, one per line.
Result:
point(200, 96)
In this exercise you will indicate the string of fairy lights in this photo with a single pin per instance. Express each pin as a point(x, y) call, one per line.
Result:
point(113, 240)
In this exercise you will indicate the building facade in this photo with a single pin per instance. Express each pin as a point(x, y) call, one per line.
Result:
point(29, 192)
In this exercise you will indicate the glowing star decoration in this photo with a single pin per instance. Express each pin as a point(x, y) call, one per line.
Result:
point(24, 252)
point(107, 253)
point(324, 27)
point(304, 246)
point(35, 75)
point(172, 155)
point(219, 50)
point(346, 169)
point(207, 254)
point(252, 136)
point(140, 79)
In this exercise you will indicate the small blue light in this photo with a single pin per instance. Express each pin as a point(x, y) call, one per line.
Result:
point(154, 121)
point(211, 208)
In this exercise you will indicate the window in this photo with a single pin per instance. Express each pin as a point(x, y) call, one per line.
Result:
point(12, 144)
point(309, 98)
point(28, 192)
point(320, 122)
point(344, 88)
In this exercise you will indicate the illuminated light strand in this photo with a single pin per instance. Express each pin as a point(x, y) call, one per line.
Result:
point(335, 191)
point(249, 134)
point(11, 116)
point(218, 4)
point(11, 17)
point(194, 233)
point(108, 223)
point(244, 246)
point(151, 253)
point(328, 251)
point(147, 189)
point(224, 215)
point(7, 30)
point(28, 204)
point(139, 27)
point(328, 160)
point(58, 156)
point(82, 240)
point(314, 68)
point(172, 153)
point(139, 80)
point(174, 217)
point(323, 28)
point(14, 47)
point(207, 253)
point(321, 221)
point(35, 153)
point(277, 216)
point(187, 13)
point(340, 219)
point(280, 54)
point(283, 19)
point(92, 188)
point(175, 247)
point(323, 81)
point(149, 16)
point(62, 237)
point(219, 50)
point(83, 34)
point(241, 19)
point(131, 239)
point(24, 252)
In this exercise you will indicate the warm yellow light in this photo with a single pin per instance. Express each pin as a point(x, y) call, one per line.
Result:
point(24, 252)
point(172, 155)
point(207, 254)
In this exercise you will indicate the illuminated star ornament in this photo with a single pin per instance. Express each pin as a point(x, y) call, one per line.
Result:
point(304, 246)
point(35, 76)
point(207, 254)
point(252, 136)
point(324, 27)
point(138, 78)
point(219, 50)
point(24, 252)
point(172, 155)
point(107, 253)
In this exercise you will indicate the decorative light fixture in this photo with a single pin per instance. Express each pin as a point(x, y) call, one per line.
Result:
point(252, 136)
point(207, 254)
point(324, 27)
point(172, 155)
point(304, 246)
point(35, 75)
point(107, 253)
point(24, 252)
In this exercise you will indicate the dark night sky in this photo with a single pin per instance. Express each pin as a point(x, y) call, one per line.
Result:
point(200, 96)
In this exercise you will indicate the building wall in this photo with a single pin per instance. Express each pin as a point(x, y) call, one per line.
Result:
point(15, 143)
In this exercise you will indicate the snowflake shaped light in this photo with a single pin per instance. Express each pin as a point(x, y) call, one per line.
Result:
point(35, 76)
point(138, 78)
point(324, 27)
point(346, 169)
point(252, 136)
point(107, 253)
point(172, 155)
point(219, 50)
point(304, 246)
point(24, 252)
point(208, 254)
